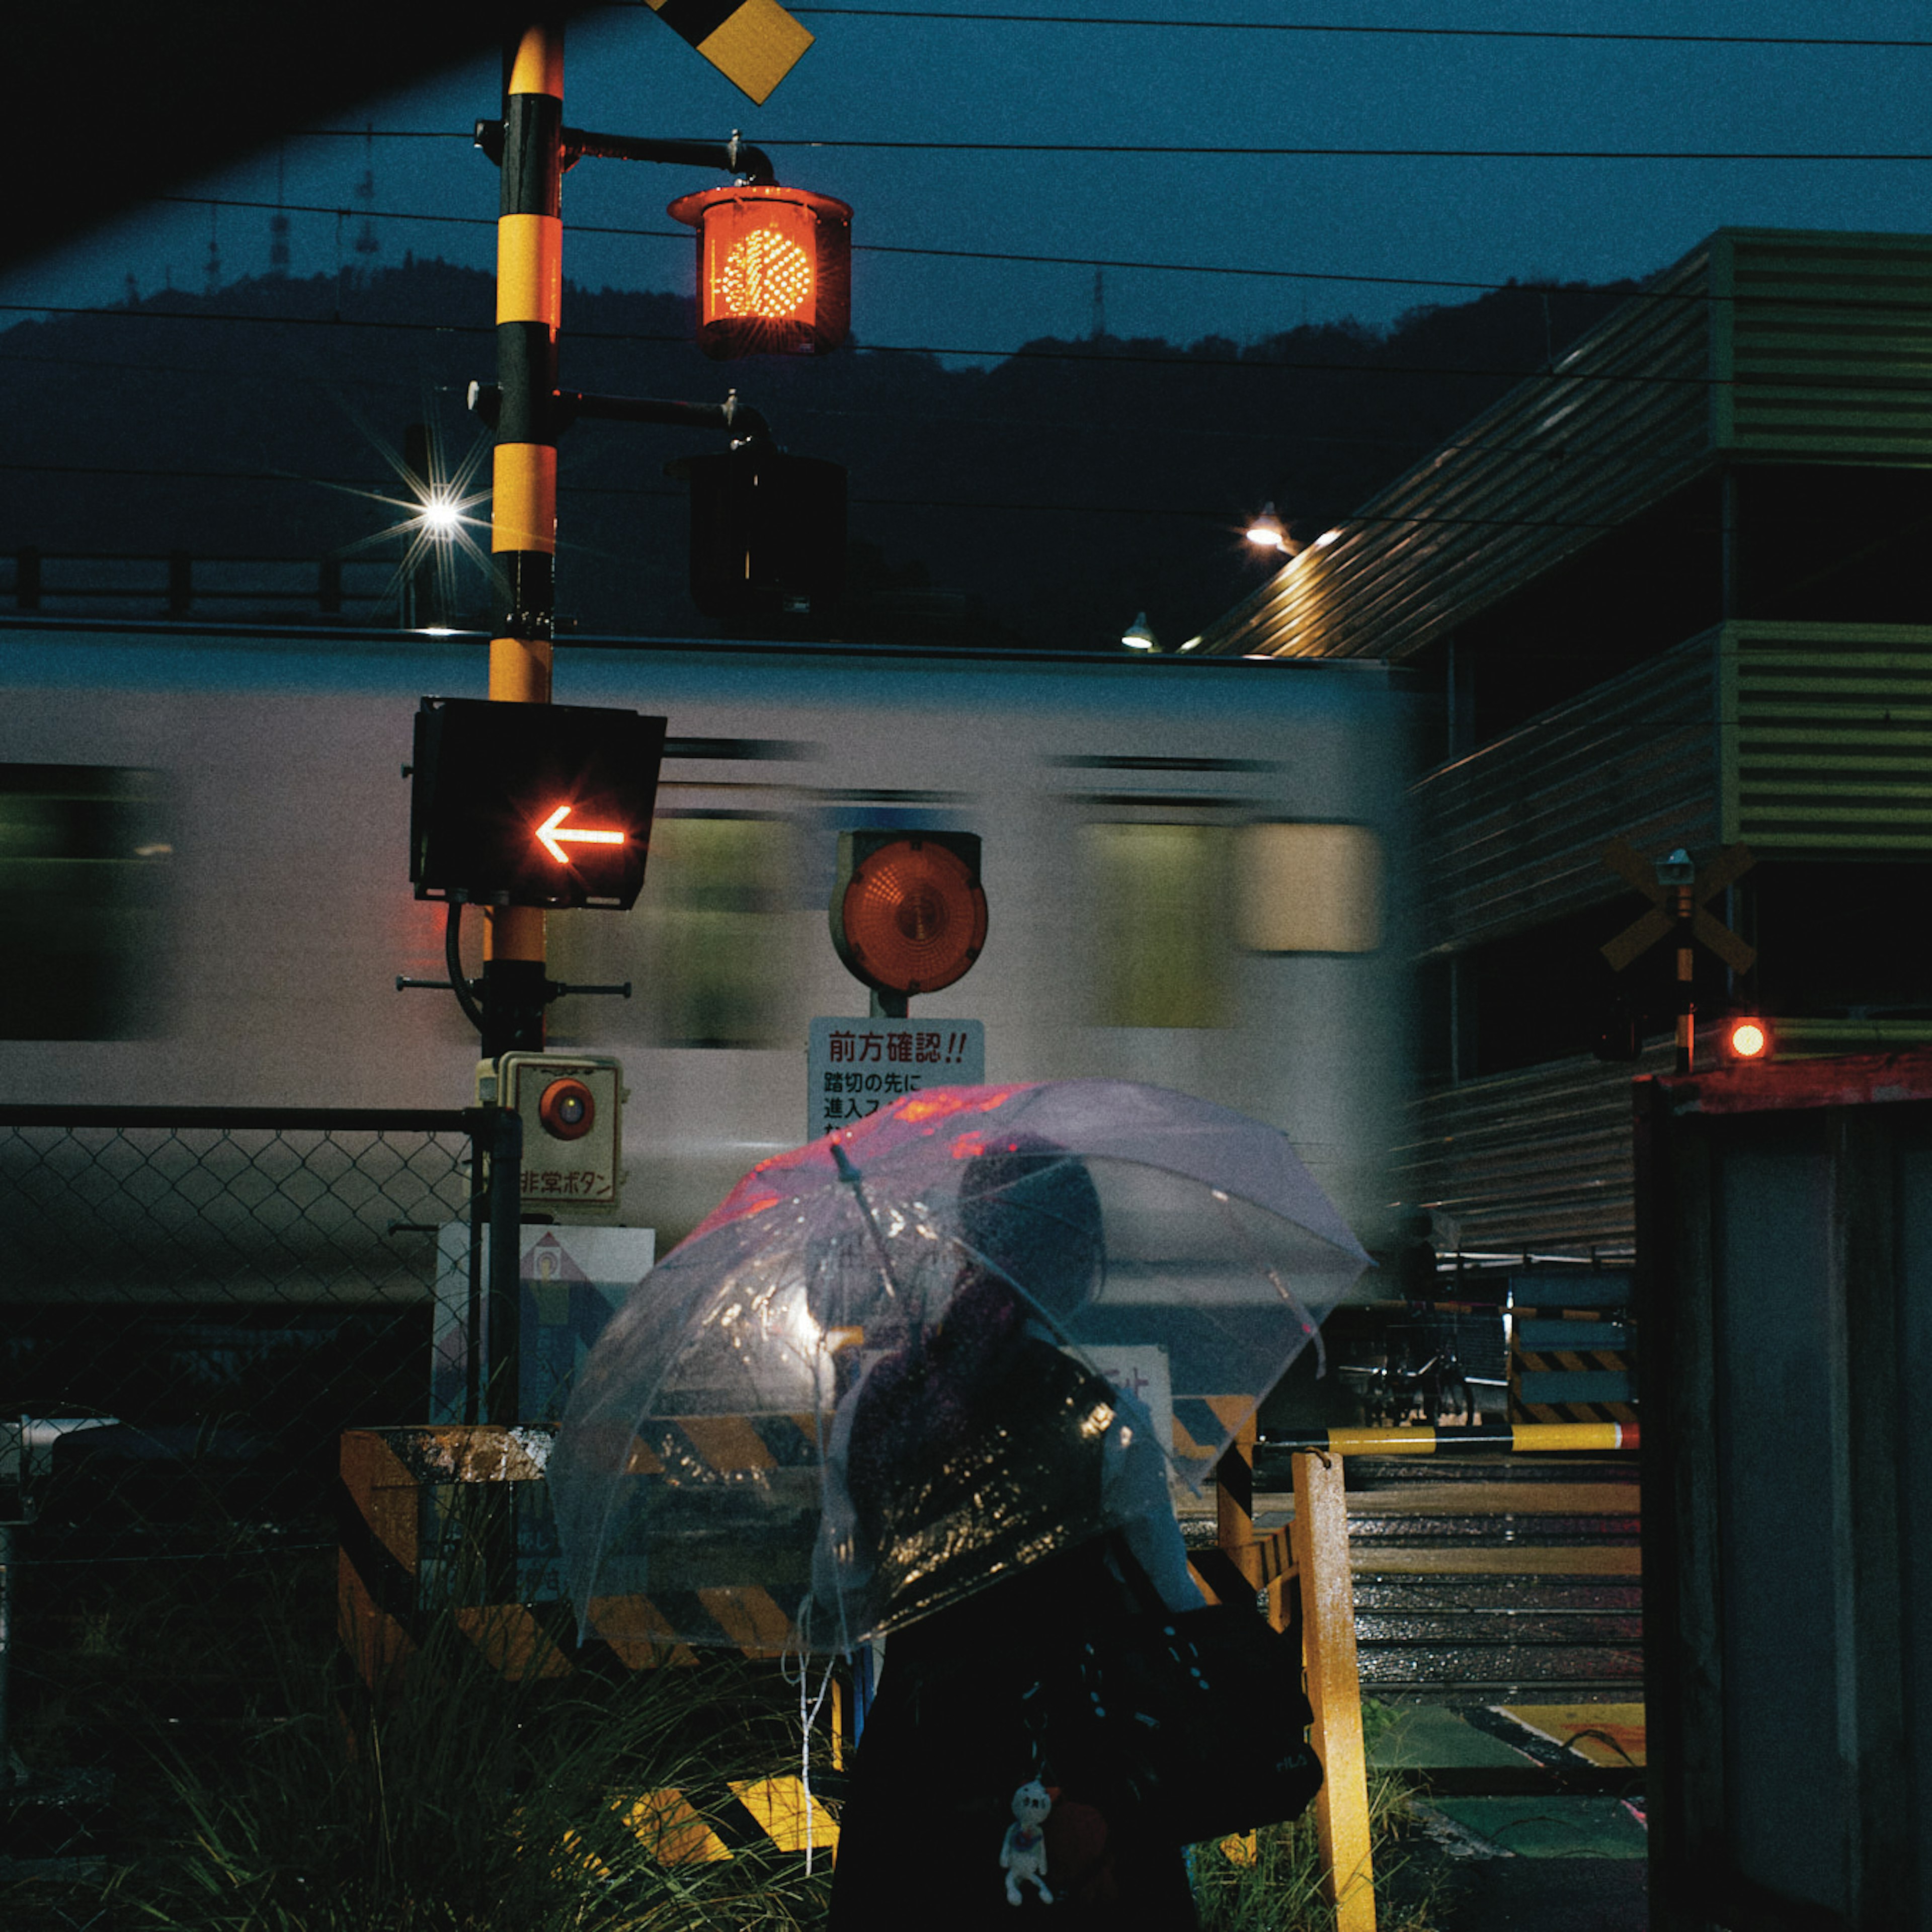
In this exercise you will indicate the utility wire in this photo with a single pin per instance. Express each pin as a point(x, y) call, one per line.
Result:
point(283, 375)
point(173, 475)
point(1323, 27)
point(683, 235)
point(1177, 359)
point(1067, 425)
point(984, 505)
point(1249, 150)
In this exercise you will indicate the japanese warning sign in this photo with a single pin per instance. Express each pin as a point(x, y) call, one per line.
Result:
point(855, 1067)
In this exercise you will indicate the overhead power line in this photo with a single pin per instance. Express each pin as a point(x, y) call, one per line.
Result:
point(1177, 358)
point(683, 236)
point(1253, 151)
point(998, 505)
point(1032, 424)
point(1339, 28)
point(172, 475)
point(1244, 150)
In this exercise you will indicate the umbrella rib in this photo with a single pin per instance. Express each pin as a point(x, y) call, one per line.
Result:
point(850, 1176)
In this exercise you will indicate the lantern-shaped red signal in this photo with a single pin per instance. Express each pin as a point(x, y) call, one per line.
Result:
point(1747, 1037)
point(774, 270)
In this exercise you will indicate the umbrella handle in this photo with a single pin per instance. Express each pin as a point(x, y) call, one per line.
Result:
point(850, 1176)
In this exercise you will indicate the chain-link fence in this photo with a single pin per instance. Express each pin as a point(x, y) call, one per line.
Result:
point(194, 1305)
point(233, 1288)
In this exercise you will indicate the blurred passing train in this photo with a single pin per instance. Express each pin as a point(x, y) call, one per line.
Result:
point(1193, 869)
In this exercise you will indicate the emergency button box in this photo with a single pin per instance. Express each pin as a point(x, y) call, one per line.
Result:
point(572, 1109)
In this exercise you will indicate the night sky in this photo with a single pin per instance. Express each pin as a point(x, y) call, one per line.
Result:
point(902, 74)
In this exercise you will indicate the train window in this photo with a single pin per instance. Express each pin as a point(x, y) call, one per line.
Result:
point(84, 854)
point(1308, 888)
point(1159, 951)
point(703, 947)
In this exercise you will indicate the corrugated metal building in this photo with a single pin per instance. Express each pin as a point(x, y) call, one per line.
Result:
point(1677, 590)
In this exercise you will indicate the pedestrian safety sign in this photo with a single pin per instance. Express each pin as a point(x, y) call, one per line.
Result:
point(855, 1067)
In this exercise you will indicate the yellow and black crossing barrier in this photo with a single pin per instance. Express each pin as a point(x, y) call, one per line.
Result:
point(433, 1522)
point(446, 1519)
point(680, 1827)
point(1572, 1349)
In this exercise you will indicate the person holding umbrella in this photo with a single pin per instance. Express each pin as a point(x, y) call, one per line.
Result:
point(861, 1399)
point(983, 1431)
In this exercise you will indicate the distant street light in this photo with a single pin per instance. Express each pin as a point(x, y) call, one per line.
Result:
point(440, 516)
point(1137, 637)
point(1267, 531)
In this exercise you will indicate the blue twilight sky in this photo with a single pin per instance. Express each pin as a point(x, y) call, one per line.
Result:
point(927, 77)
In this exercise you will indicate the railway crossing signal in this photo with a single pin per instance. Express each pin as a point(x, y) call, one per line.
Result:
point(767, 533)
point(754, 44)
point(774, 269)
point(908, 912)
point(1678, 891)
point(532, 804)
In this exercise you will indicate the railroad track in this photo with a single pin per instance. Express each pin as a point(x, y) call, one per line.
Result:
point(1487, 1579)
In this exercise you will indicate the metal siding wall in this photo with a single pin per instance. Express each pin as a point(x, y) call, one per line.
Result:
point(1772, 1318)
point(1914, 1192)
point(1513, 834)
point(1782, 1291)
point(1831, 336)
point(1621, 421)
point(1538, 1160)
point(1774, 343)
point(1828, 738)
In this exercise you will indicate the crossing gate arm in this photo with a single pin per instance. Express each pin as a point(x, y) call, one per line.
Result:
point(1519, 1438)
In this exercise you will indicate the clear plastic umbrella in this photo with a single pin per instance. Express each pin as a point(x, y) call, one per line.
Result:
point(896, 1364)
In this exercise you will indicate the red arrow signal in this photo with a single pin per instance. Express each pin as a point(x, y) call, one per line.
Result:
point(551, 835)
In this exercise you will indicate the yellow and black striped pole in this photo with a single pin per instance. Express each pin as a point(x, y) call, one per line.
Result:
point(522, 530)
point(1234, 1499)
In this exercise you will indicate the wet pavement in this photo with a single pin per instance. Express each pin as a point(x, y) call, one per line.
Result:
point(1528, 1817)
point(1498, 1621)
point(1541, 1895)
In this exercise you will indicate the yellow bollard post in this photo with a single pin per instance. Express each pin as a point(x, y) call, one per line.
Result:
point(1334, 1688)
point(1234, 1533)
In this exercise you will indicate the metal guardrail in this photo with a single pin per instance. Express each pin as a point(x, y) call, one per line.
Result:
point(176, 582)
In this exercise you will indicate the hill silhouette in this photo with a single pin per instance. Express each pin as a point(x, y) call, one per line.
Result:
point(1042, 501)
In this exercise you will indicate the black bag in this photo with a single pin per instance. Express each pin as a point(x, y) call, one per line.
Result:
point(1191, 1722)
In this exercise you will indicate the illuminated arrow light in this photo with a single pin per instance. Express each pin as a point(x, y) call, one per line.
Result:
point(551, 836)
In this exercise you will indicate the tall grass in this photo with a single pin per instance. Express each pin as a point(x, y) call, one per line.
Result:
point(454, 1799)
point(1274, 1883)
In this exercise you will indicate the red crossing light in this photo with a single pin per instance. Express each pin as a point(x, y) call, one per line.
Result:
point(908, 913)
point(774, 270)
point(1747, 1037)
